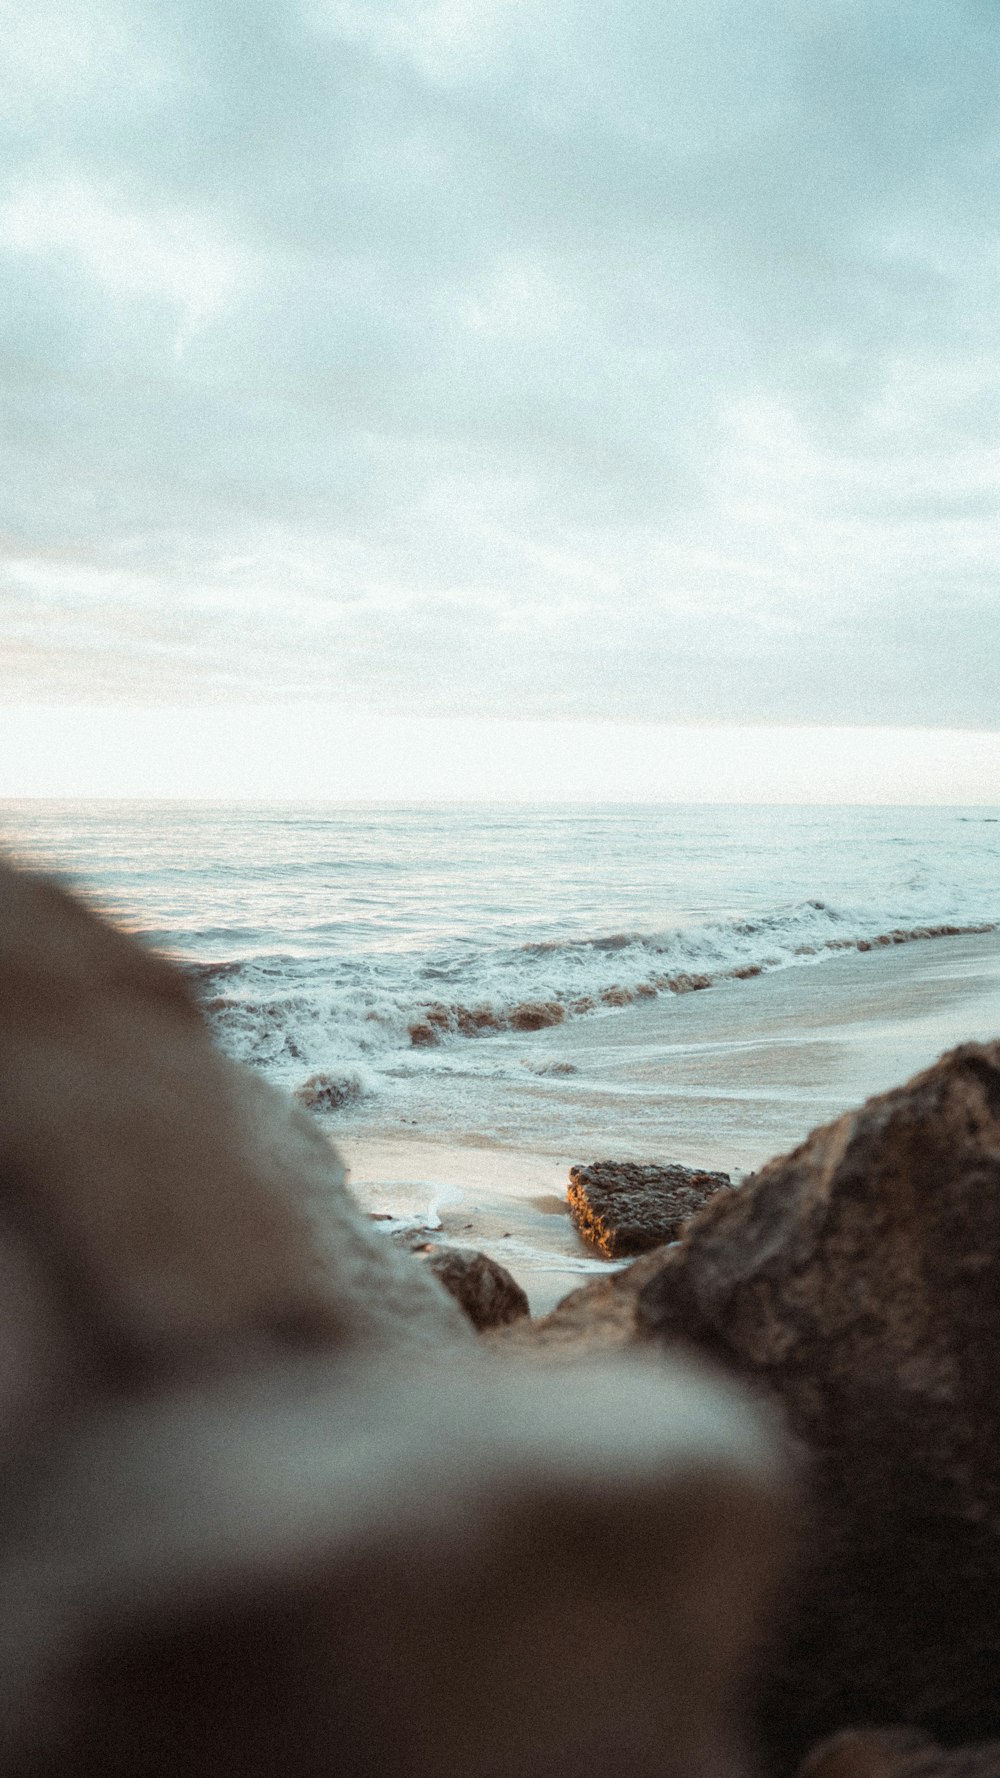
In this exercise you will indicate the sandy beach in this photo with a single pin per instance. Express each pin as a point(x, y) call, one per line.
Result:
point(724, 1078)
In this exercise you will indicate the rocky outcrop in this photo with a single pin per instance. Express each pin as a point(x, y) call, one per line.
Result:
point(855, 1281)
point(268, 1506)
point(624, 1207)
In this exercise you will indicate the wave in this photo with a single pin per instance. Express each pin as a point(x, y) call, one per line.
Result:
point(345, 1023)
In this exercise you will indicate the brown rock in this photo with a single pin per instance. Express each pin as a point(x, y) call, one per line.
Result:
point(158, 1204)
point(625, 1207)
point(898, 1753)
point(535, 1015)
point(386, 1572)
point(856, 1280)
point(486, 1291)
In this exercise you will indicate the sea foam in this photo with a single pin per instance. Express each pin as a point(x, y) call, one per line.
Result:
point(293, 1017)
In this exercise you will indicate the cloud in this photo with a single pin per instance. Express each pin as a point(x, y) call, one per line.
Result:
point(642, 363)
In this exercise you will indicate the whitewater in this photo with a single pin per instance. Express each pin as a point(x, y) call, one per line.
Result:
point(349, 952)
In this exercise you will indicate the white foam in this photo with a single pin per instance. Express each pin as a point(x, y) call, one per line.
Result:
point(387, 1017)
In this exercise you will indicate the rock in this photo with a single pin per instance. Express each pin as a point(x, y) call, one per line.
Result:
point(159, 1204)
point(855, 1280)
point(381, 1569)
point(536, 1015)
point(898, 1753)
point(624, 1207)
point(329, 1092)
point(486, 1291)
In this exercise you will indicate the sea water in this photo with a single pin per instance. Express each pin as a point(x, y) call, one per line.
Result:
point(411, 961)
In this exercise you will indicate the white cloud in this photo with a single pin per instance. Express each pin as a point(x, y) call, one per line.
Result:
point(641, 362)
point(442, 39)
point(167, 255)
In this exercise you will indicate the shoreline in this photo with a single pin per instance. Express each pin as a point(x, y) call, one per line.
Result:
point(724, 1079)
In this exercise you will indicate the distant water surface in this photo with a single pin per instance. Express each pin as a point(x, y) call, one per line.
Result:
point(367, 943)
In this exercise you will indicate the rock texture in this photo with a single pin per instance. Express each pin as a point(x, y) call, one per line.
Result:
point(487, 1292)
point(898, 1753)
point(268, 1507)
point(180, 1203)
point(390, 1572)
point(856, 1280)
point(624, 1207)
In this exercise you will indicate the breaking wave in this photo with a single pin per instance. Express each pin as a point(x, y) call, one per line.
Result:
point(335, 1028)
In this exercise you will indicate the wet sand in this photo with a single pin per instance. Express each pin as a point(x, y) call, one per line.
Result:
point(723, 1078)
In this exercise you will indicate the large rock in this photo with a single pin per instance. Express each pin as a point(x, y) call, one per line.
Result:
point(856, 1280)
point(627, 1207)
point(267, 1506)
point(158, 1204)
point(389, 1572)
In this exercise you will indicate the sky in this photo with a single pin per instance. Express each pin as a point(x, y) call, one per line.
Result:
point(469, 375)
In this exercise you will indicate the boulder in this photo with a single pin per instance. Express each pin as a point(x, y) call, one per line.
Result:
point(158, 1204)
point(625, 1207)
point(855, 1281)
point(384, 1570)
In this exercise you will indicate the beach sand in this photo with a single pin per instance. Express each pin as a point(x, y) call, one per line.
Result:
point(723, 1078)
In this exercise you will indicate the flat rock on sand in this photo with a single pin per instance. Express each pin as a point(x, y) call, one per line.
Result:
point(627, 1207)
point(856, 1280)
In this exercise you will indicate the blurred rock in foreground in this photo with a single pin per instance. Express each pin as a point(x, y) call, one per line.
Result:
point(857, 1280)
point(898, 1753)
point(267, 1507)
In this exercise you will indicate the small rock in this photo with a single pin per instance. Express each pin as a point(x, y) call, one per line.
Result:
point(329, 1092)
point(480, 1285)
point(624, 1207)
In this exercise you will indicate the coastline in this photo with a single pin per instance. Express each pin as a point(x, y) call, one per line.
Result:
point(725, 1078)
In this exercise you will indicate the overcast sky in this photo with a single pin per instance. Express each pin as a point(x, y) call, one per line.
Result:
point(470, 358)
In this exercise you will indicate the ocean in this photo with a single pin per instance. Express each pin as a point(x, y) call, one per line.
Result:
point(413, 966)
